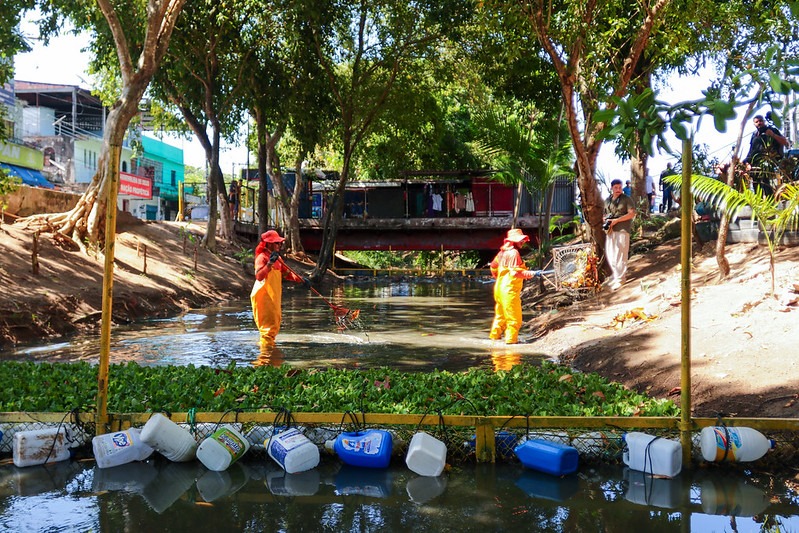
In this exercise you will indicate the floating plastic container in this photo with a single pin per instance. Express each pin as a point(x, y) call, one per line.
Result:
point(725, 444)
point(548, 457)
point(732, 497)
point(547, 487)
point(169, 439)
point(643, 489)
point(222, 448)
point(293, 451)
point(653, 455)
point(357, 481)
point(40, 446)
point(368, 449)
point(427, 456)
point(504, 442)
point(119, 448)
point(422, 489)
point(305, 483)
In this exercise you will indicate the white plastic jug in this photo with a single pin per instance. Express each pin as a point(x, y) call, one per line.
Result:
point(169, 439)
point(653, 455)
point(292, 451)
point(119, 448)
point(426, 455)
point(733, 444)
point(222, 448)
point(40, 446)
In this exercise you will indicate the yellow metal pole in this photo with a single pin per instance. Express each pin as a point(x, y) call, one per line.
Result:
point(108, 291)
point(685, 285)
point(180, 202)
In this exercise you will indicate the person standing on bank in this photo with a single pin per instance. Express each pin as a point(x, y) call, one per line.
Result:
point(619, 214)
point(267, 291)
point(510, 272)
point(766, 148)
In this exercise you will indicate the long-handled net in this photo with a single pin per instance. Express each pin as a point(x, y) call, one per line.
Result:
point(344, 317)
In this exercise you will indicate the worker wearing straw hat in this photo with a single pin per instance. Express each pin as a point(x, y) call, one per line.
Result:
point(267, 291)
point(510, 273)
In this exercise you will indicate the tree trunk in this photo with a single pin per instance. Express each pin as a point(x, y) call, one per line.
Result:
point(332, 219)
point(638, 176)
point(293, 229)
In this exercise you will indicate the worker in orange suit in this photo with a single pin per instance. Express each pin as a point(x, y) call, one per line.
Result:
point(266, 295)
point(510, 273)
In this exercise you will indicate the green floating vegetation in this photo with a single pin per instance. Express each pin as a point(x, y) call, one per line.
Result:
point(546, 390)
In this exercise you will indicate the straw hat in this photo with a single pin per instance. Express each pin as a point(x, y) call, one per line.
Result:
point(516, 236)
point(271, 236)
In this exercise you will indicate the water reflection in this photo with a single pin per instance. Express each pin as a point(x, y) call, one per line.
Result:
point(410, 325)
point(255, 495)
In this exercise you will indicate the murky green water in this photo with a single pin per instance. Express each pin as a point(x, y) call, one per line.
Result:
point(412, 326)
point(257, 496)
point(409, 325)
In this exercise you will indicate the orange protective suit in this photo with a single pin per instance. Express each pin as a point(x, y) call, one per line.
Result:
point(510, 273)
point(267, 293)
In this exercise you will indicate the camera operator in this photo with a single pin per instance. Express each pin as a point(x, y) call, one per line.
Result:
point(619, 214)
point(766, 148)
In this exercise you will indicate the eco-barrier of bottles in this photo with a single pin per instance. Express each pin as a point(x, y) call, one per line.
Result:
point(468, 438)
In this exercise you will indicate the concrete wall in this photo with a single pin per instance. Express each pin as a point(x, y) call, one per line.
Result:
point(34, 200)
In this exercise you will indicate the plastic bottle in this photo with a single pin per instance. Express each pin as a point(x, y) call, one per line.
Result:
point(369, 449)
point(119, 448)
point(169, 439)
point(222, 448)
point(40, 446)
point(548, 457)
point(733, 444)
point(426, 455)
point(292, 451)
point(653, 455)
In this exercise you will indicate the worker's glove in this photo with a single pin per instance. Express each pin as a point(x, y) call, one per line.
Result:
point(274, 256)
point(529, 274)
point(306, 283)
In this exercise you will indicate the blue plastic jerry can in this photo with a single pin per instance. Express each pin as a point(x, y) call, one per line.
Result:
point(367, 448)
point(548, 457)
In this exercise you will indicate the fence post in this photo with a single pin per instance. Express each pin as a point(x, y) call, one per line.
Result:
point(35, 254)
point(484, 445)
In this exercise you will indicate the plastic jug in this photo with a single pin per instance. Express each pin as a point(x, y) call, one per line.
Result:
point(651, 454)
point(40, 446)
point(732, 497)
point(169, 439)
point(119, 448)
point(426, 455)
point(643, 489)
point(292, 451)
point(369, 449)
point(548, 457)
point(222, 448)
point(731, 444)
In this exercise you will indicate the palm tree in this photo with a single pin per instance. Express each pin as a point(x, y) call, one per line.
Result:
point(528, 153)
point(776, 214)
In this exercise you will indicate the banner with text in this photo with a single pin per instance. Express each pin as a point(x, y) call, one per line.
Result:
point(133, 185)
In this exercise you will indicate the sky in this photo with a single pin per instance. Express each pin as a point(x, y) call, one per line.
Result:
point(64, 62)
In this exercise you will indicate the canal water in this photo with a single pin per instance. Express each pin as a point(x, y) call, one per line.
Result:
point(418, 326)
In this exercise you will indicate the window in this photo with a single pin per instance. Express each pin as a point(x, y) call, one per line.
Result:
point(174, 177)
point(124, 169)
